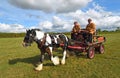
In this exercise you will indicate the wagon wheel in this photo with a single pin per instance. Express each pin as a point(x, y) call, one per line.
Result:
point(101, 49)
point(91, 52)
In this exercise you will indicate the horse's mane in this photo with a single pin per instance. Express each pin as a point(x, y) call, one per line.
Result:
point(36, 29)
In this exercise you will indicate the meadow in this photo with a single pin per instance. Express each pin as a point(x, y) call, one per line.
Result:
point(19, 62)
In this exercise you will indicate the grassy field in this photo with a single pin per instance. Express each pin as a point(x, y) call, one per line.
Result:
point(19, 62)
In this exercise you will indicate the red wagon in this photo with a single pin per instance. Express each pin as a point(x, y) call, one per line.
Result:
point(81, 46)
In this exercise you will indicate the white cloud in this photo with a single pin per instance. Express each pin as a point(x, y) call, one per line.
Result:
point(59, 6)
point(64, 22)
point(11, 28)
point(103, 19)
point(56, 25)
point(46, 25)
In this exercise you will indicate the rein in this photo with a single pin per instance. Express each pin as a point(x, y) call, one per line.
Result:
point(41, 42)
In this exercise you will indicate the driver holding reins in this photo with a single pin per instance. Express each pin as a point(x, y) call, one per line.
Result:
point(75, 30)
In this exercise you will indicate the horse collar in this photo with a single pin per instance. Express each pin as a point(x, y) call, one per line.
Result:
point(42, 41)
point(45, 35)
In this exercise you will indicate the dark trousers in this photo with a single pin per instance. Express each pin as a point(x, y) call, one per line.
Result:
point(73, 36)
point(87, 36)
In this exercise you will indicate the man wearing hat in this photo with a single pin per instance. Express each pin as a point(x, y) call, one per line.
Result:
point(91, 29)
point(75, 30)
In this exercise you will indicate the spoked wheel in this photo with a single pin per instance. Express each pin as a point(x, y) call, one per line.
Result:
point(91, 52)
point(101, 49)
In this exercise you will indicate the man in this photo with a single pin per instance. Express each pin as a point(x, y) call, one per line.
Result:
point(90, 30)
point(75, 30)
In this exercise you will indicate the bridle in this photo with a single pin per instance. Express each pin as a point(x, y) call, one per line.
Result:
point(28, 40)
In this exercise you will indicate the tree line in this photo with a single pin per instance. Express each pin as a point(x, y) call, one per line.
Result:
point(15, 35)
point(11, 35)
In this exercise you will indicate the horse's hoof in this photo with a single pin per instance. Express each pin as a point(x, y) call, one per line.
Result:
point(56, 61)
point(63, 62)
point(36, 69)
point(39, 68)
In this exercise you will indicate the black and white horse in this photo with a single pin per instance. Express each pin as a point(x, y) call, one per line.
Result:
point(46, 43)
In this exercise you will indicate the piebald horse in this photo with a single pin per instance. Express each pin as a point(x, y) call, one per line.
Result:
point(46, 43)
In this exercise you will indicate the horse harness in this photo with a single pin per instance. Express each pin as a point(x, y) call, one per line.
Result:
point(41, 42)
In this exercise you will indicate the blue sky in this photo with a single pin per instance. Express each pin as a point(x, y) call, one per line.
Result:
point(57, 16)
point(110, 5)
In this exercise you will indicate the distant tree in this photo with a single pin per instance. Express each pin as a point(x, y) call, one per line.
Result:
point(118, 29)
point(105, 31)
point(11, 35)
point(99, 30)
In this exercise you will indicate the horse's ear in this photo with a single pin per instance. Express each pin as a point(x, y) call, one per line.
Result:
point(26, 30)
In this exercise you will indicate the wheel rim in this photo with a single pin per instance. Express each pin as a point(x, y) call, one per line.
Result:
point(91, 53)
point(101, 49)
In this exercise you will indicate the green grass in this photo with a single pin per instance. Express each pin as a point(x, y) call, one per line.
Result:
point(19, 62)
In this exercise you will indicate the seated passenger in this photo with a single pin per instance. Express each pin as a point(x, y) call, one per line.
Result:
point(75, 30)
point(90, 30)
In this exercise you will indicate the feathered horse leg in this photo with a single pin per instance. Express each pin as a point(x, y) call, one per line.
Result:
point(55, 59)
point(64, 57)
point(40, 64)
point(64, 39)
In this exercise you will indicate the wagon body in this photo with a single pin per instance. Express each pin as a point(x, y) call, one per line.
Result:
point(90, 48)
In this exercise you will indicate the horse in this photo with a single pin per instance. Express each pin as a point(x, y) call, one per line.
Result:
point(46, 43)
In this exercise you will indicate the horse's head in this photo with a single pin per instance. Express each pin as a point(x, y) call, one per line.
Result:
point(32, 35)
point(29, 38)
